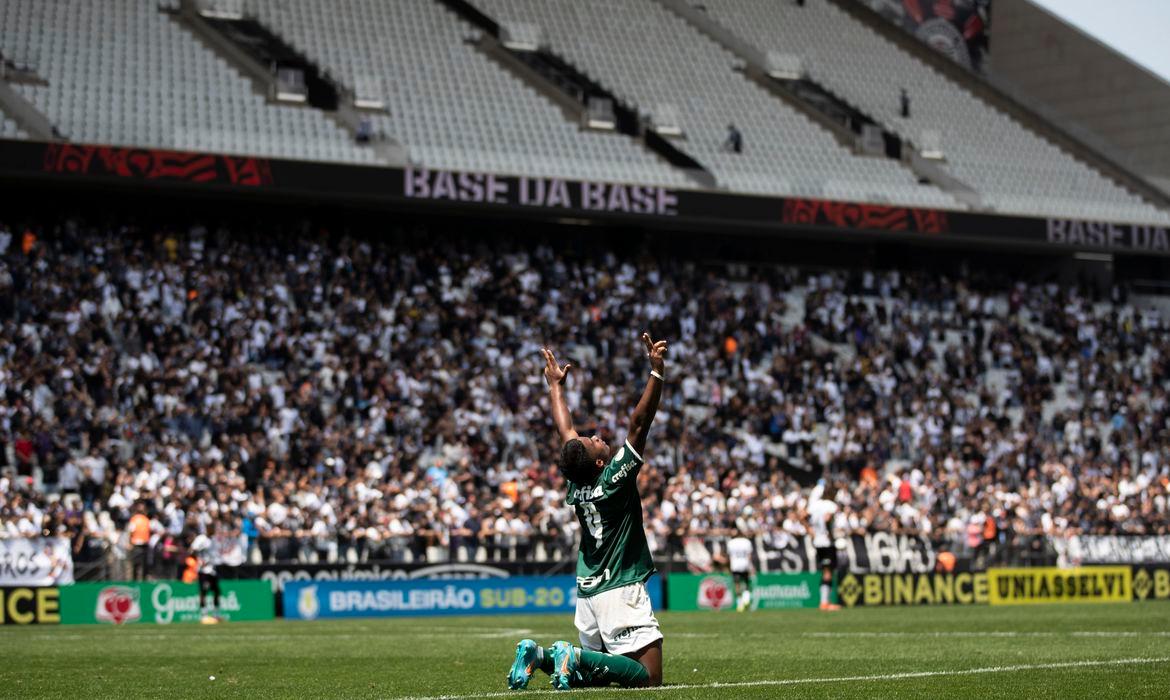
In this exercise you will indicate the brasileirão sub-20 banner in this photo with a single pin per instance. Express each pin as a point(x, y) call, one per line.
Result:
point(309, 600)
point(161, 602)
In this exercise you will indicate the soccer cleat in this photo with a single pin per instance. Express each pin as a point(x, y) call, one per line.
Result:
point(830, 607)
point(527, 654)
point(564, 665)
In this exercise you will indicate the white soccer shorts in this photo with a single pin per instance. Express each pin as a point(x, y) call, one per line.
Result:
point(619, 620)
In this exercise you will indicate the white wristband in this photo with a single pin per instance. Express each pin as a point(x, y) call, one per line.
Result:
point(654, 373)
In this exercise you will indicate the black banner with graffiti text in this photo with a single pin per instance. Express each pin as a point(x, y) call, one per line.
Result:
point(879, 552)
point(555, 199)
point(1113, 549)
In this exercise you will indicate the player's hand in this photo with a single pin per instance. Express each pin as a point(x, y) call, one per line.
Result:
point(553, 373)
point(656, 352)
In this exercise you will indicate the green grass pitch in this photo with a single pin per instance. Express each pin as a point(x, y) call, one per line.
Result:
point(1028, 652)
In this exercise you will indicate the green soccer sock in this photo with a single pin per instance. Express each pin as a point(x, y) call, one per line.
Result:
point(546, 660)
point(598, 668)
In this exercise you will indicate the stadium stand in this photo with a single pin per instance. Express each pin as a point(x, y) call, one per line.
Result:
point(381, 398)
point(1013, 169)
point(122, 72)
point(648, 56)
point(160, 86)
point(464, 111)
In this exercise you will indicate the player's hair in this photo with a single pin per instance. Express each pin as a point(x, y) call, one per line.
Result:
point(575, 463)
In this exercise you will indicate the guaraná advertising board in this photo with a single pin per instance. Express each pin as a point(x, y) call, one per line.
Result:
point(161, 602)
point(701, 592)
point(309, 600)
point(778, 591)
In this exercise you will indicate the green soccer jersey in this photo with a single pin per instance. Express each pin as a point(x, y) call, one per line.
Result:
point(613, 552)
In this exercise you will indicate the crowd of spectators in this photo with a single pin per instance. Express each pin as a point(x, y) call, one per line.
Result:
point(322, 397)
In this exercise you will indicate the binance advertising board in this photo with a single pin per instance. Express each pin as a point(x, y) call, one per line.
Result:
point(29, 605)
point(965, 588)
point(1151, 583)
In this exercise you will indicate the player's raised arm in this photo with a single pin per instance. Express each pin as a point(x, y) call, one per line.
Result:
point(643, 414)
point(555, 375)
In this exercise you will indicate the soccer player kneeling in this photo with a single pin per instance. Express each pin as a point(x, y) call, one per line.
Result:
point(620, 639)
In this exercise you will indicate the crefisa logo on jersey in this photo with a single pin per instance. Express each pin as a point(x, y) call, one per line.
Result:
point(118, 605)
point(307, 603)
point(713, 594)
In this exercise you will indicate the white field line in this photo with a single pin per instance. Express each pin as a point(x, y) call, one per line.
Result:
point(511, 635)
point(940, 633)
point(307, 633)
point(142, 634)
point(1074, 633)
point(834, 679)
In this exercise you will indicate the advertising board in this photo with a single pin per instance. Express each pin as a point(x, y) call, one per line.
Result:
point(310, 600)
point(701, 592)
point(1090, 584)
point(913, 589)
point(777, 591)
point(161, 602)
point(23, 605)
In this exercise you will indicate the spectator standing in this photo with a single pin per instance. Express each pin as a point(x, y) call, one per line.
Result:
point(734, 141)
point(140, 532)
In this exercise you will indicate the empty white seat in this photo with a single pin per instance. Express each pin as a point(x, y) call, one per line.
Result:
point(121, 72)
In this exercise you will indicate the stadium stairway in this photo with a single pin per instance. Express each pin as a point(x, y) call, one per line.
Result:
point(260, 54)
point(576, 93)
point(18, 116)
point(847, 122)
